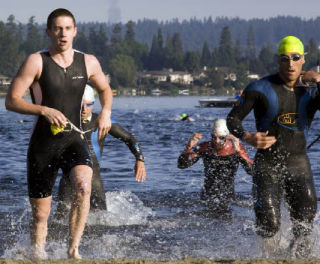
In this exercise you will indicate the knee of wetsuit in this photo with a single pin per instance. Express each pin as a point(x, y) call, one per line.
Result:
point(301, 229)
point(267, 230)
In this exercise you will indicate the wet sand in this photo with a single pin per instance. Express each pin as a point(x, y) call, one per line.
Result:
point(182, 261)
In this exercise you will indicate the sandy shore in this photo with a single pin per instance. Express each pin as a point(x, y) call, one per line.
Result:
point(182, 261)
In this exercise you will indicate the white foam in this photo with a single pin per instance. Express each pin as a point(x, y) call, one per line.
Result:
point(123, 208)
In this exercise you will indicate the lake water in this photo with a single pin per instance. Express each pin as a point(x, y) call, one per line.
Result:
point(160, 219)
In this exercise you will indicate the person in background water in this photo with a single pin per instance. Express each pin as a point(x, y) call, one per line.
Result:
point(185, 117)
point(221, 157)
point(89, 119)
point(57, 78)
point(283, 107)
point(238, 95)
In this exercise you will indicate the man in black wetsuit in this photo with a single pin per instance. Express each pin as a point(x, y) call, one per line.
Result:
point(98, 199)
point(283, 107)
point(221, 157)
point(57, 78)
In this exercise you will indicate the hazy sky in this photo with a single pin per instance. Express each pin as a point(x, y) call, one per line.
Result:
point(105, 10)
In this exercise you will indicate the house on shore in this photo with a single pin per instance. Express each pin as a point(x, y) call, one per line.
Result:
point(166, 75)
point(5, 80)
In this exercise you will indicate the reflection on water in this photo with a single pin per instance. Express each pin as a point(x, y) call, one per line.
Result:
point(161, 219)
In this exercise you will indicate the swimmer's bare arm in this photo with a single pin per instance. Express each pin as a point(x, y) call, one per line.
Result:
point(29, 73)
point(188, 158)
point(100, 82)
point(260, 140)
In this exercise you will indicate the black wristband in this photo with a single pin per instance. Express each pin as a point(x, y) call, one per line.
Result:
point(141, 158)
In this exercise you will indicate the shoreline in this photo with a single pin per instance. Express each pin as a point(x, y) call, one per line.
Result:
point(181, 261)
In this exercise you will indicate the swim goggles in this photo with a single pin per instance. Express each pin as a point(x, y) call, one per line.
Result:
point(285, 58)
point(68, 128)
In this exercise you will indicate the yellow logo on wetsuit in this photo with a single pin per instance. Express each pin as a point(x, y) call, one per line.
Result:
point(289, 120)
point(56, 130)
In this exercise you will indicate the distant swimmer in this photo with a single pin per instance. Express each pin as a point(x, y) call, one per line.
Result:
point(185, 117)
point(283, 108)
point(89, 119)
point(57, 78)
point(221, 157)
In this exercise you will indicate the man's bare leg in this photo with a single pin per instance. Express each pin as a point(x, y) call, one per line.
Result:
point(39, 226)
point(80, 177)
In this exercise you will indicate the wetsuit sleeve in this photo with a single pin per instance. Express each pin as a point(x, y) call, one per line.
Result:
point(118, 132)
point(187, 158)
point(245, 160)
point(241, 109)
point(314, 105)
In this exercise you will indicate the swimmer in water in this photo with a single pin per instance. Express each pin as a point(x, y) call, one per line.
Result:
point(221, 157)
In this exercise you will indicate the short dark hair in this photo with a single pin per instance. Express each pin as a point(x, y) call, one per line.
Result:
point(57, 13)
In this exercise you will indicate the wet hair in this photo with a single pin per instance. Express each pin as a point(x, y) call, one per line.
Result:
point(57, 13)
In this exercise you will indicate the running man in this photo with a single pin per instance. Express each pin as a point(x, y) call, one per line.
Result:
point(57, 78)
point(283, 108)
point(98, 199)
point(221, 157)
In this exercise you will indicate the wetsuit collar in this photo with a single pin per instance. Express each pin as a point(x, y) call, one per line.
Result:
point(87, 120)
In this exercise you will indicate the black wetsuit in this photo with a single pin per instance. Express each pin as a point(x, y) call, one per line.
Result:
point(97, 199)
point(284, 168)
point(220, 167)
point(61, 89)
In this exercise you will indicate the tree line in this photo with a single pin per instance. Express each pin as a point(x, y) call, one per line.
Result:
point(123, 51)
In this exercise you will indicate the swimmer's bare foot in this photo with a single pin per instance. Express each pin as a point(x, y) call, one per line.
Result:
point(38, 253)
point(74, 254)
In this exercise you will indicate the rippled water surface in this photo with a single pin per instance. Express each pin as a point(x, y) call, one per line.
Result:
point(160, 219)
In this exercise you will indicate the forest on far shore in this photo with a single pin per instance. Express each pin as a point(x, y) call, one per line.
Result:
point(240, 45)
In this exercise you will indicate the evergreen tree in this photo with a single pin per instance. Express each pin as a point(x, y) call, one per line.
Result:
point(225, 55)
point(268, 59)
point(116, 35)
point(130, 34)
point(192, 61)
point(156, 59)
point(177, 49)
point(312, 55)
point(251, 46)
point(205, 55)
point(10, 55)
point(160, 40)
point(153, 62)
point(214, 57)
point(216, 79)
point(133, 48)
point(33, 41)
point(81, 41)
point(237, 51)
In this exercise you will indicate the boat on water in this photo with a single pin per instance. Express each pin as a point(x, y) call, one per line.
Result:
point(217, 102)
point(184, 92)
point(156, 92)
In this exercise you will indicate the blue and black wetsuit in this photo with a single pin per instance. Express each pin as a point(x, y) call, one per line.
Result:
point(284, 168)
point(61, 89)
point(97, 199)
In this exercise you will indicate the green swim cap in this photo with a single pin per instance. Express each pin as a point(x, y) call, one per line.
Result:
point(290, 44)
point(183, 115)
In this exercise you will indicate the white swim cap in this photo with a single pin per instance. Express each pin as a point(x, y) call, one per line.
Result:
point(220, 127)
point(88, 93)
